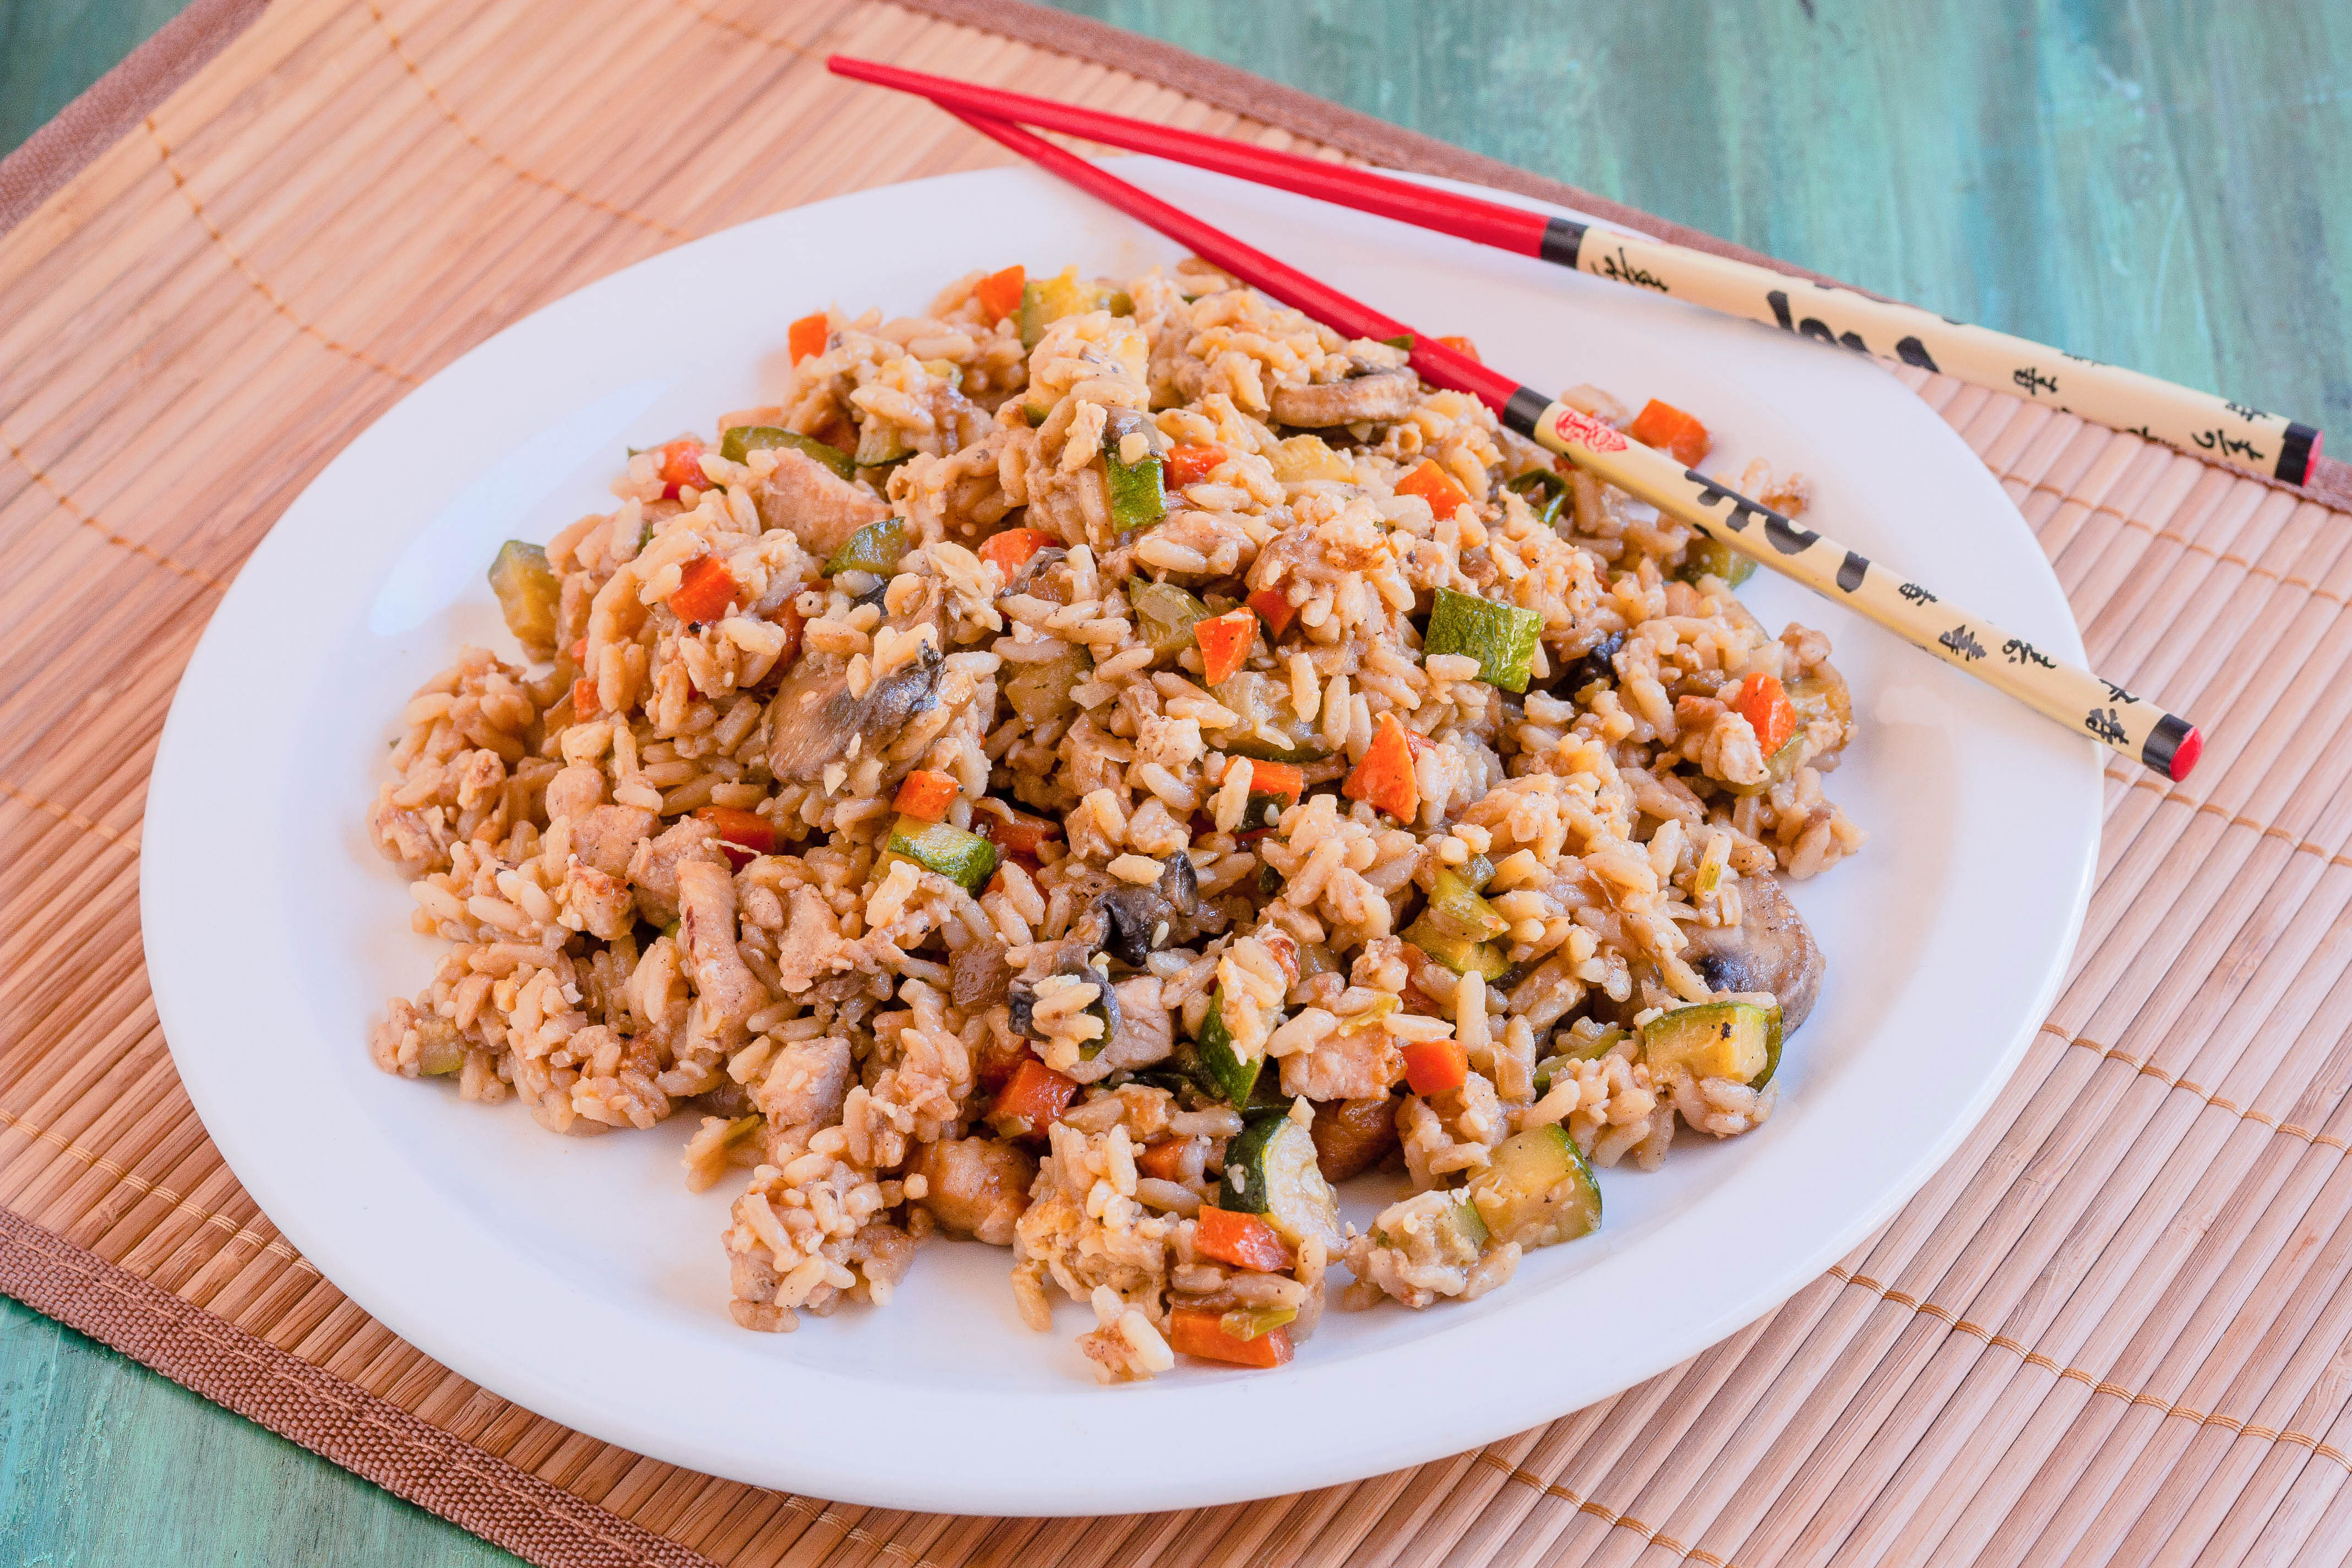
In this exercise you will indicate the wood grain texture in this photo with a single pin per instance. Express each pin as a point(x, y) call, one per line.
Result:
point(1889, 145)
point(2153, 184)
point(51, 49)
point(102, 1463)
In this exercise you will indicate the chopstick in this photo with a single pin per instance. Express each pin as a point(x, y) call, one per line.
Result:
point(2072, 697)
point(2198, 423)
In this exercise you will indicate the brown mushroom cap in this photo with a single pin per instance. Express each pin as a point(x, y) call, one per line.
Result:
point(1769, 949)
point(1360, 400)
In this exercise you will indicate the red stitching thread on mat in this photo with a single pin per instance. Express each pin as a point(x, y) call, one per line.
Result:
point(2148, 1069)
point(67, 504)
point(1600, 1511)
point(745, 30)
point(2075, 1373)
point(70, 818)
point(2194, 547)
point(276, 1247)
point(500, 159)
point(2267, 830)
point(252, 276)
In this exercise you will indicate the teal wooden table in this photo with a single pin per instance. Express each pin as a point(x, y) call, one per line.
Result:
point(2150, 183)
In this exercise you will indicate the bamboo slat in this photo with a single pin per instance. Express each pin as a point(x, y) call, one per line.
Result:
point(2115, 1327)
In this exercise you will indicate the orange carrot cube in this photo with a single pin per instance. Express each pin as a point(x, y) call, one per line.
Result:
point(1225, 642)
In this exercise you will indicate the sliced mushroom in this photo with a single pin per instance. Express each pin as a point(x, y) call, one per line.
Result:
point(1075, 957)
point(813, 715)
point(1769, 949)
point(820, 507)
point(1036, 575)
point(1143, 920)
point(814, 718)
point(1360, 400)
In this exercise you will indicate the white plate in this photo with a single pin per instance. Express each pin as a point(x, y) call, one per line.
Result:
point(579, 1279)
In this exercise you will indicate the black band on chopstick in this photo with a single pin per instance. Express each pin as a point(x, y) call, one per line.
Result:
point(1524, 412)
point(1562, 239)
point(2294, 453)
point(2164, 742)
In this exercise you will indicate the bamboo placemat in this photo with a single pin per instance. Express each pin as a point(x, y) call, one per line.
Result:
point(2113, 1327)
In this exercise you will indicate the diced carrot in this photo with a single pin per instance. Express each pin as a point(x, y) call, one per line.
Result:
point(789, 621)
point(1434, 1066)
point(808, 336)
point(704, 591)
point(1432, 484)
point(1014, 832)
point(1190, 464)
point(994, 1063)
point(999, 292)
point(1286, 782)
point(1275, 608)
point(1033, 1098)
point(1462, 346)
point(1385, 777)
point(583, 697)
point(743, 836)
point(1242, 1240)
point(580, 650)
point(1011, 550)
point(1764, 703)
point(681, 464)
point(1165, 1159)
point(927, 794)
point(1225, 642)
point(1199, 1331)
point(1663, 426)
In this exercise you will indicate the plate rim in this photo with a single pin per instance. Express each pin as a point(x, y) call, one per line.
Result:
point(1508, 1409)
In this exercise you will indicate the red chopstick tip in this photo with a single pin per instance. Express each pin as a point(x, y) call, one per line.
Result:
point(2185, 755)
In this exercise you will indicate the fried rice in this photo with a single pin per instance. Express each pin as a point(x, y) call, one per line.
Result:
point(1007, 787)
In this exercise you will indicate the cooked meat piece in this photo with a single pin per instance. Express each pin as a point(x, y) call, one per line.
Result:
point(1351, 1136)
point(1143, 1033)
point(821, 508)
point(574, 791)
point(600, 904)
point(1770, 950)
point(1344, 1066)
point(607, 837)
point(813, 715)
point(977, 1187)
point(653, 866)
point(705, 897)
point(806, 1083)
point(811, 934)
point(1359, 400)
point(979, 975)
